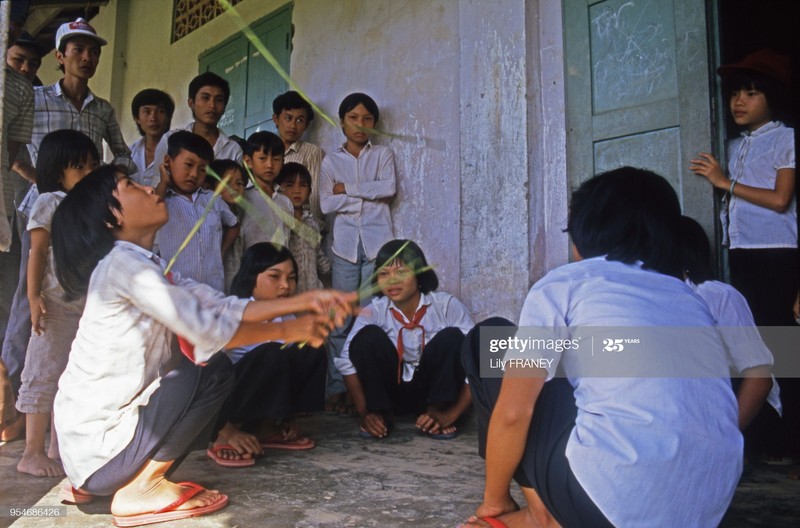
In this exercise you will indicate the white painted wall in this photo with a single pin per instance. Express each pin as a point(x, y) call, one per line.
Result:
point(458, 83)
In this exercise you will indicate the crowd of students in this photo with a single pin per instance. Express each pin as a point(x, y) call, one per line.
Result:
point(227, 242)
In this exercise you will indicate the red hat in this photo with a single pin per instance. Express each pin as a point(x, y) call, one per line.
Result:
point(764, 61)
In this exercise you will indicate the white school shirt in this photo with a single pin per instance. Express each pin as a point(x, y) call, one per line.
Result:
point(310, 156)
point(237, 353)
point(224, 148)
point(201, 259)
point(754, 159)
point(444, 311)
point(123, 348)
point(648, 451)
point(148, 175)
point(261, 221)
point(358, 215)
point(743, 343)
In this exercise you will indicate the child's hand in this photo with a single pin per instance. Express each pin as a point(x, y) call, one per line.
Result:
point(339, 188)
point(796, 308)
point(374, 424)
point(311, 329)
point(334, 304)
point(708, 166)
point(38, 309)
point(163, 170)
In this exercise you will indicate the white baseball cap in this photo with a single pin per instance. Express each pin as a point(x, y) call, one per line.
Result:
point(79, 27)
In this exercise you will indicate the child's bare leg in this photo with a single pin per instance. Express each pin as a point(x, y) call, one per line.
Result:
point(34, 459)
point(13, 429)
point(537, 510)
point(243, 445)
point(535, 515)
point(149, 491)
point(53, 452)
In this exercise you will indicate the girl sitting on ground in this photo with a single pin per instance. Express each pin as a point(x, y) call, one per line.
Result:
point(402, 354)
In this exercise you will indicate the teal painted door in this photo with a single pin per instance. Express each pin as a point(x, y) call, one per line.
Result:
point(638, 92)
point(254, 83)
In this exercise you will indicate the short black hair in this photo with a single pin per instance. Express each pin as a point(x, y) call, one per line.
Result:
point(293, 170)
point(57, 151)
point(696, 251)
point(221, 166)
point(291, 100)
point(412, 256)
point(355, 99)
point(84, 229)
point(209, 79)
point(264, 141)
point(185, 140)
point(627, 214)
point(256, 259)
point(778, 96)
point(152, 96)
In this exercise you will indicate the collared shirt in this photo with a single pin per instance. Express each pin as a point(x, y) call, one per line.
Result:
point(754, 159)
point(310, 156)
point(358, 215)
point(146, 174)
point(42, 218)
point(312, 262)
point(224, 148)
point(123, 348)
point(201, 259)
point(262, 221)
point(236, 354)
point(444, 311)
point(97, 119)
point(659, 440)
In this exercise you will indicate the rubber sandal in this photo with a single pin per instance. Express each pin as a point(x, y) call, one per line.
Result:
point(494, 523)
point(213, 454)
point(72, 496)
point(443, 436)
point(170, 512)
point(300, 443)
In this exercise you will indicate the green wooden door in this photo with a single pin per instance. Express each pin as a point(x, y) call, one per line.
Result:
point(638, 92)
point(254, 83)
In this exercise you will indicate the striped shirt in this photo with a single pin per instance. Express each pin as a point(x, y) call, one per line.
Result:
point(201, 259)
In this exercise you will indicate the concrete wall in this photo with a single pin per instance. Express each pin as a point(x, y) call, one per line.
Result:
point(481, 187)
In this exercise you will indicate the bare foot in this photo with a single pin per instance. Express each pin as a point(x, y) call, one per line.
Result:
point(245, 445)
point(39, 465)
point(132, 501)
point(433, 421)
point(14, 429)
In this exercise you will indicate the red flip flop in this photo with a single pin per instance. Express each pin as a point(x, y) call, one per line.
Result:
point(300, 443)
point(72, 496)
point(170, 512)
point(494, 523)
point(213, 454)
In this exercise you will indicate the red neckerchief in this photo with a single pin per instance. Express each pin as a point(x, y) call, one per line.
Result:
point(407, 326)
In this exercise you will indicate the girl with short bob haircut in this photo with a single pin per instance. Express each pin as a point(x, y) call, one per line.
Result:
point(274, 380)
point(402, 353)
point(601, 451)
point(128, 409)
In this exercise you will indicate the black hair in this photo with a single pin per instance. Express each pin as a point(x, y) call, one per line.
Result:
point(209, 79)
point(264, 141)
point(412, 256)
point(84, 227)
point(222, 165)
point(355, 99)
point(291, 100)
point(779, 100)
point(696, 251)
point(152, 96)
point(189, 141)
point(57, 151)
point(258, 258)
point(293, 170)
point(627, 214)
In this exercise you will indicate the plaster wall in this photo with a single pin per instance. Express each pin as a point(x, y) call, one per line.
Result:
point(455, 81)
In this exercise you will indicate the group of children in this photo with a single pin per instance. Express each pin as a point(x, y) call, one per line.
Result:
point(220, 242)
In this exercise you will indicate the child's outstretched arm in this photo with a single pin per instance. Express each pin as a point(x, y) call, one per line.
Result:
point(310, 328)
point(40, 241)
point(332, 304)
point(776, 199)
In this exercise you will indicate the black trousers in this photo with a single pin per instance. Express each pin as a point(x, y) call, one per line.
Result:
point(274, 382)
point(437, 379)
point(544, 465)
point(769, 279)
point(179, 417)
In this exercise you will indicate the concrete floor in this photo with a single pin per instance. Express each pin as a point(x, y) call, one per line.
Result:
point(405, 480)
